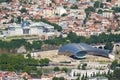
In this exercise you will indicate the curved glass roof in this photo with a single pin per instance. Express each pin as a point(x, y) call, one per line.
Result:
point(25, 23)
point(70, 48)
point(77, 49)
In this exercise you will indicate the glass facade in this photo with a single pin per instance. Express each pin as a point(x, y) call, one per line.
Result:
point(26, 31)
point(81, 49)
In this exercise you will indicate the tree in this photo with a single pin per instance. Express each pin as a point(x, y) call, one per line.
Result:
point(114, 64)
point(102, 5)
point(36, 45)
point(44, 62)
point(12, 21)
point(19, 19)
point(83, 67)
point(109, 46)
point(55, 78)
point(100, 11)
point(58, 78)
point(53, 1)
point(109, 30)
point(64, 15)
point(116, 9)
point(108, 0)
point(16, 62)
point(64, 69)
point(27, 69)
point(23, 10)
point(88, 11)
point(109, 74)
point(5, 1)
point(56, 26)
point(97, 4)
point(73, 37)
point(28, 55)
point(74, 7)
point(116, 74)
point(61, 78)
point(8, 1)
point(39, 73)
point(25, 78)
point(56, 69)
point(65, 7)
point(2, 1)
point(28, 46)
point(78, 78)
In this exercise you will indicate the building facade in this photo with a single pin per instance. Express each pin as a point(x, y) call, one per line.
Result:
point(26, 28)
point(81, 50)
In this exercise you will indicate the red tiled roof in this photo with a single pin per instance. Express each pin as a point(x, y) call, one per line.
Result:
point(1, 74)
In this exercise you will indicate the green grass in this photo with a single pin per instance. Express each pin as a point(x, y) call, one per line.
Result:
point(47, 70)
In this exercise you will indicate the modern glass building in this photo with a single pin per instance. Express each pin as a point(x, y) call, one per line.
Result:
point(80, 50)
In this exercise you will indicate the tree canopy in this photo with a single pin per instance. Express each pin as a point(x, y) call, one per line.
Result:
point(16, 63)
point(56, 26)
point(23, 10)
point(56, 69)
point(11, 46)
point(116, 9)
point(116, 74)
point(44, 62)
point(97, 4)
point(108, 0)
point(108, 46)
point(74, 7)
point(5, 1)
point(114, 64)
point(100, 11)
point(64, 69)
point(89, 9)
point(58, 78)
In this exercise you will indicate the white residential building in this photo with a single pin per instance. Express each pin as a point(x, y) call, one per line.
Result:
point(88, 72)
point(60, 10)
point(108, 14)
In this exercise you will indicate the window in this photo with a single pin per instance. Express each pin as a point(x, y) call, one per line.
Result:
point(26, 31)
